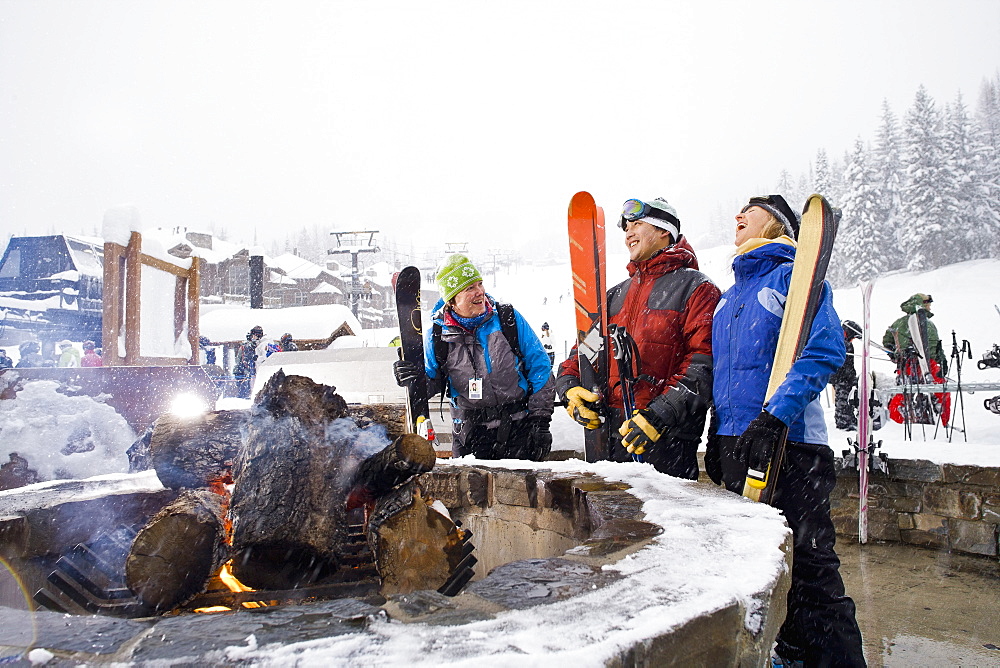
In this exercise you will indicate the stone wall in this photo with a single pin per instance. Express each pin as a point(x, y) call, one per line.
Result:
point(919, 502)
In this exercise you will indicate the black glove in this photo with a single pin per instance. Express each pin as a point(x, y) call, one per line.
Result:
point(758, 442)
point(713, 459)
point(406, 372)
point(539, 439)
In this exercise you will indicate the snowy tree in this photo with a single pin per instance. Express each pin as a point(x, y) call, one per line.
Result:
point(925, 215)
point(823, 178)
point(862, 239)
point(886, 162)
point(987, 210)
point(964, 191)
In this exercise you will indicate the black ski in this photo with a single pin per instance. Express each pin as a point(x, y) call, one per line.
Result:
point(411, 336)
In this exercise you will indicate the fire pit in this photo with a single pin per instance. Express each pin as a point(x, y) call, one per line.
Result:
point(575, 564)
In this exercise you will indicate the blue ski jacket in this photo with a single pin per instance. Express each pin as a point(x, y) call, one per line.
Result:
point(486, 354)
point(744, 338)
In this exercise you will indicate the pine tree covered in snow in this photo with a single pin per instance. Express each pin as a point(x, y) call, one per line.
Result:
point(886, 162)
point(823, 178)
point(925, 216)
point(859, 252)
point(963, 190)
point(988, 124)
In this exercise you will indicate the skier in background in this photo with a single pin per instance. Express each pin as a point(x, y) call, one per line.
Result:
point(5, 362)
point(287, 344)
point(546, 339)
point(845, 382)
point(903, 351)
point(246, 362)
point(69, 357)
point(501, 404)
point(31, 355)
point(820, 627)
point(666, 309)
point(90, 357)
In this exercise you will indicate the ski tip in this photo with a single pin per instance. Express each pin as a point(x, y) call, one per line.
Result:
point(581, 199)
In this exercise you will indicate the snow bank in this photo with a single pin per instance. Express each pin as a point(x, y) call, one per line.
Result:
point(61, 436)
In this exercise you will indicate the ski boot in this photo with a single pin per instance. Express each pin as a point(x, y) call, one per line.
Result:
point(993, 405)
point(990, 359)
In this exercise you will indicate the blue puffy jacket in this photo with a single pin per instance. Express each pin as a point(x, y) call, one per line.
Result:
point(745, 335)
point(486, 354)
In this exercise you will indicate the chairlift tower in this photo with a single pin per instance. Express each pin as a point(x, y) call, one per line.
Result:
point(452, 247)
point(355, 243)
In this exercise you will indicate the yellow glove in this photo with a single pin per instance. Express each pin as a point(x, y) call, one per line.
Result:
point(640, 432)
point(579, 402)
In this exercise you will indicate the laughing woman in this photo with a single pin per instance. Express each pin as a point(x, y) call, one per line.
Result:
point(820, 627)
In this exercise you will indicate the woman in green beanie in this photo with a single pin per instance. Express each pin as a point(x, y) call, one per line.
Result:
point(489, 360)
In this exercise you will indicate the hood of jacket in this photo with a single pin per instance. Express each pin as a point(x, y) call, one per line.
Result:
point(914, 303)
point(668, 259)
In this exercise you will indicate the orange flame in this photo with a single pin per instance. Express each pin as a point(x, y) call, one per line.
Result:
point(227, 578)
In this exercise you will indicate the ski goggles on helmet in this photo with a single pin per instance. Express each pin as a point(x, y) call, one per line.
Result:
point(636, 209)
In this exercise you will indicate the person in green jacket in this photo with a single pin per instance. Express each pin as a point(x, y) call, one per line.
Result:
point(898, 341)
point(901, 328)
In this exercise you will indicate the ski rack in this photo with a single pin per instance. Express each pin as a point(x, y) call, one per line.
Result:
point(886, 393)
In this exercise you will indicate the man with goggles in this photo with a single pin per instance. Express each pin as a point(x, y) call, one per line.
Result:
point(663, 314)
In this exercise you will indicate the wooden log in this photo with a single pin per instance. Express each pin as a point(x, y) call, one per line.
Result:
point(288, 507)
point(301, 469)
point(407, 456)
point(177, 552)
point(390, 416)
point(416, 544)
point(195, 452)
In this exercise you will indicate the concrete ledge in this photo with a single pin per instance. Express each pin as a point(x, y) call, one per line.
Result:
point(608, 564)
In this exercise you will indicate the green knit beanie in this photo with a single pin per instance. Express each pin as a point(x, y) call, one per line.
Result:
point(455, 275)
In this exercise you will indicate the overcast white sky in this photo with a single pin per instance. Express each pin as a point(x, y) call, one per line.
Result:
point(449, 121)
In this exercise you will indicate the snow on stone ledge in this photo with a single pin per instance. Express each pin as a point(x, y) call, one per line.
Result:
point(716, 549)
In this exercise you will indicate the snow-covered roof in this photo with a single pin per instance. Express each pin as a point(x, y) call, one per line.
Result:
point(326, 288)
point(296, 267)
point(280, 279)
point(231, 322)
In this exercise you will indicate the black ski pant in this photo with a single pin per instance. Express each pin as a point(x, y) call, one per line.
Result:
point(671, 455)
point(507, 440)
point(820, 627)
point(845, 414)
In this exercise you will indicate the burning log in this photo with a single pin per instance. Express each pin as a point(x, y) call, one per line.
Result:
point(390, 416)
point(300, 471)
point(407, 456)
point(195, 452)
point(418, 545)
point(180, 548)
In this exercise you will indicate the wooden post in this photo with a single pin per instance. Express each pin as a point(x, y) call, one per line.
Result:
point(111, 306)
point(133, 284)
point(193, 310)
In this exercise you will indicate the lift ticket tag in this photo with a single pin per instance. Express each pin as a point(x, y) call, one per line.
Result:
point(475, 388)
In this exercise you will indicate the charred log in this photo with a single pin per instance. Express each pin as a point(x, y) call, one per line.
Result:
point(288, 508)
point(390, 416)
point(417, 545)
point(194, 452)
point(177, 552)
point(407, 456)
point(300, 471)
